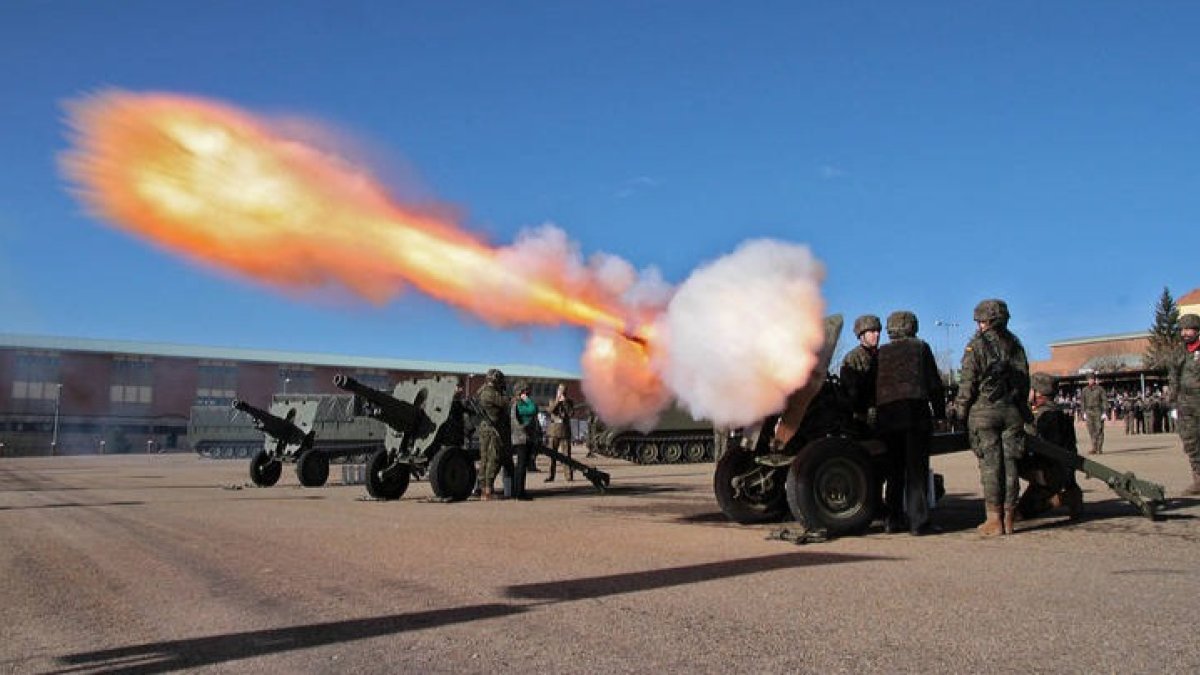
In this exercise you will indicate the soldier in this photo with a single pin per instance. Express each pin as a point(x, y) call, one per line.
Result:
point(860, 366)
point(991, 396)
point(1184, 392)
point(1051, 484)
point(908, 395)
point(493, 431)
point(1095, 404)
point(559, 434)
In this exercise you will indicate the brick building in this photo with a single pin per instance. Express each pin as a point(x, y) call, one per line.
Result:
point(89, 396)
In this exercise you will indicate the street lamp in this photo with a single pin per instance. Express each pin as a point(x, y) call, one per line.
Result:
point(286, 382)
point(54, 433)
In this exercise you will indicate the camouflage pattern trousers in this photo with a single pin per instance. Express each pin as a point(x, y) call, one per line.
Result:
point(489, 455)
point(997, 436)
point(1189, 432)
point(1095, 427)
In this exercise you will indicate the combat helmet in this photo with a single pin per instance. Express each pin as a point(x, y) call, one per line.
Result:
point(993, 311)
point(901, 324)
point(495, 378)
point(1189, 321)
point(865, 323)
point(1043, 383)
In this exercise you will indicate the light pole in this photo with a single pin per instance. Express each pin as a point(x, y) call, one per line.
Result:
point(948, 325)
point(54, 433)
point(286, 382)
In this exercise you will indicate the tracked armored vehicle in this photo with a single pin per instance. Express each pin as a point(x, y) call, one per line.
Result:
point(216, 432)
point(814, 463)
point(310, 431)
point(676, 438)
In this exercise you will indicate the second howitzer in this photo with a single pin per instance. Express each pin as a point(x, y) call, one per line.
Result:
point(426, 435)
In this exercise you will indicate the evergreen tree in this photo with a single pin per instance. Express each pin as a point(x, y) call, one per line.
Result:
point(1164, 334)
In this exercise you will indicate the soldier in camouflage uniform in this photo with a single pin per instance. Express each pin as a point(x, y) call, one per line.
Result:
point(1051, 484)
point(992, 398)
point(859, 368)
point(1095, 404)
point(493, 431)
point(1184, 374)
point(908, 396)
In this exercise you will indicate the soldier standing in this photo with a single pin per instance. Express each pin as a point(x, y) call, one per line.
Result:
point(493, 431)
point(860, 366)
point(1095, 404)
point(908, 394)
point(1184, 374)
point(526, 437)
point(1051, 484)
point(991, 396)
point(560, 430)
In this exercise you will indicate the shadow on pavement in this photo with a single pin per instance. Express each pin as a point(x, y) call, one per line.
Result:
point(645, 580)
point(162, 657)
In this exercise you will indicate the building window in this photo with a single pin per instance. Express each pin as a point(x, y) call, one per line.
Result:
point(216, 382)
point(35, 376)
point(132, 380)
point(295, 379)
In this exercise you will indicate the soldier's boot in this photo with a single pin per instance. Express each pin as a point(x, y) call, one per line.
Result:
point(1194, 489)
point(487, 495)
point(1010, 518)
point(993, 525)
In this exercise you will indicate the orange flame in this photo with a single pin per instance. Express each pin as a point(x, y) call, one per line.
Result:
point(219, 186)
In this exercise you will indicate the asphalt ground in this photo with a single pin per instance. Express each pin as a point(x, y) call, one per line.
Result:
point(162, 563)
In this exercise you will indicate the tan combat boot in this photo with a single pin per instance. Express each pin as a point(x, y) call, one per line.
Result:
point(993, 525)
point(1010, 519)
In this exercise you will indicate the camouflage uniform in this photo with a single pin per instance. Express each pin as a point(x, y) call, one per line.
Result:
point(995, 380)
point(1095, 404)
point(493, 429)
point(859, 369)
point(1184, 374)
point(559, 433)
point(908, 394)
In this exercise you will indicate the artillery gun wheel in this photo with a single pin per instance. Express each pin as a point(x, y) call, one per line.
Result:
point(747, 491)
point(452, 474)
point(265, 469)
point(379, 487)
point(696, 452)
point(647, 453)
point(831, 486)
point(673, 453)
point(312, 468)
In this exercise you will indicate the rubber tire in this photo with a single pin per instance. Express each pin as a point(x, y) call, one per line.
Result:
point(831, 486)
point(766, 507)
point(312, 468)
point(265, 470)
point(376, 486)
point(672, 453)
point(647, 453)
point(452, 474)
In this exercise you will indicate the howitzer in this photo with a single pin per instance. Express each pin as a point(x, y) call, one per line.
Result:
point(426, 434)
point(309, 430)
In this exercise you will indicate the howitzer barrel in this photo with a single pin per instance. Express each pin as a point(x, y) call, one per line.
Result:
point(273, 425)
point(397, 414)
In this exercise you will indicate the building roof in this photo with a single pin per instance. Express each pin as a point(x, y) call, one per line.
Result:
point(1190, 298)
point(1101, 338)
point(1117, 361)
point(162, 349)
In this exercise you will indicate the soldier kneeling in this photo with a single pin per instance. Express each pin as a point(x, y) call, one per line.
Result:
point(1051, 484)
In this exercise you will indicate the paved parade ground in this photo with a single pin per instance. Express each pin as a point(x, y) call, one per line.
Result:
point(160, 563)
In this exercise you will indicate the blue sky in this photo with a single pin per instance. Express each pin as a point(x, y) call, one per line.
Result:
point(931, 154)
